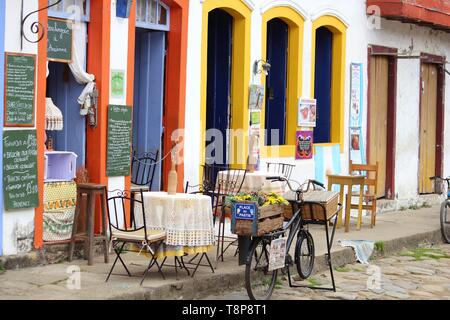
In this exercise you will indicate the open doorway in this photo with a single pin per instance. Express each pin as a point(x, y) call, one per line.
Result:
point(148, 107)
point(218, 97)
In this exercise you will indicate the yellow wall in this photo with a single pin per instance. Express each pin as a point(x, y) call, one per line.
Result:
point(240, 78)
point(339, 30)
point(294, 85)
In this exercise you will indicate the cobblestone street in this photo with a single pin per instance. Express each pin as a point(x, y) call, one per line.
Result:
point(420, 274)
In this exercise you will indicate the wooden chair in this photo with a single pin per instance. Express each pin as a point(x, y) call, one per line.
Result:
point(370, 195)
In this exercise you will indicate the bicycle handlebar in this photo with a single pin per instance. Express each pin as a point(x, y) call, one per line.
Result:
point(309, 182)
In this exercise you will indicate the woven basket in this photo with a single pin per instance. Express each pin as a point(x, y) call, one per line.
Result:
point(270, 218)
point(311, 210)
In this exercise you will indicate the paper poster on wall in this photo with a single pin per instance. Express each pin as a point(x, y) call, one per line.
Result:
point(256, 97)
point(117, 83)
point(304, 145)
point(357, 150)
point(307, 112)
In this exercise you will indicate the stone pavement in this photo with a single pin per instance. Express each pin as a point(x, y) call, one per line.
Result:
point(394, 231)
point(420, 274)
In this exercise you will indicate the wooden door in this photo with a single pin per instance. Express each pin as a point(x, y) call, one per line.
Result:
point(428, 109)
point(378, 117)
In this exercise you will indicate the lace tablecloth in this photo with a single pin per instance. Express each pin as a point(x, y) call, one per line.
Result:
point(186, 218)
point(256, 181)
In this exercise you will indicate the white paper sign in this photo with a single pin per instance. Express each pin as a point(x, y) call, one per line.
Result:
point(307, 112)
point(277, 253)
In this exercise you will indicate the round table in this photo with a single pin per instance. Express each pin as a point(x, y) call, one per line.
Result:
point(257, 181)
point(186, 218)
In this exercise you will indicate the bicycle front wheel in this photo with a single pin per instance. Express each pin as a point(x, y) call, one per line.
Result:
point(445, 221)
point(304, 254)
point(259, 281)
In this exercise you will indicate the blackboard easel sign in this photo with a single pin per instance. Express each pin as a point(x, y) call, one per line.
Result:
point(20, 187)
point(20, 90)
point(118, 161)
point(59, 40)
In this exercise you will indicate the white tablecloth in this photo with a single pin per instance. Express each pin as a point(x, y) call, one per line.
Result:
point(256, 181)
point(186, 218)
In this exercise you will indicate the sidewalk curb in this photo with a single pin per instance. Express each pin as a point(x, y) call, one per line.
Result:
point(206, 284)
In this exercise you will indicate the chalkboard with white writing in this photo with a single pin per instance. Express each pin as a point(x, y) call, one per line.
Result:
point(20, 71)
point(118, 161)
point(59, 40)
point(20, 188)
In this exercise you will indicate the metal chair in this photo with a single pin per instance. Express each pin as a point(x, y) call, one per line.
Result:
point(283, 169)
point(228, 183)
point(143, 170)
point(129, 232)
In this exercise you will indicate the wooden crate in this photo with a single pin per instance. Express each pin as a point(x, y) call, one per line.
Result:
point(312, 211)
point(264, 220)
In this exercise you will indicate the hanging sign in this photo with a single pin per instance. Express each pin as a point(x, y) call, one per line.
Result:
point(357, 153)
point(20, 90)
point(304, 145)
point(119, 141)
point(307, 112)
point(59, 40)
point(20, 189)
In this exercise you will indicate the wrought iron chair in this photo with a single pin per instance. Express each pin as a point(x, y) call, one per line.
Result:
point(143, 170)
point(283, 169)
point(206, 187)
point(228, 183)
point(130, 232)
point(142, 173)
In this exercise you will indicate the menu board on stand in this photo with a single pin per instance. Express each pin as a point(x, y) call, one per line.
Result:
point(20, 188)
point(20, 85)
point(119, 141)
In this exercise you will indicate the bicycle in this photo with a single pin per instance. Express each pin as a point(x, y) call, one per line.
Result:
point(259, 280)
point(445, 211)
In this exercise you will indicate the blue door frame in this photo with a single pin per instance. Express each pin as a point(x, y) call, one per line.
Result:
point(64, 91)
point(149, 95)
point(322, 84)
point(276, 82)
point(2, 78)
point(219, 80)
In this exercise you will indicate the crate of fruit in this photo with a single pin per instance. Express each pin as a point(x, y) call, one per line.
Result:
point(256, 214)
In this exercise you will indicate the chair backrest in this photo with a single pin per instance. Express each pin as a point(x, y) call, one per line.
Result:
point(118, 206)
point(370, 171)
point(230, 181)
point(143, 168)
point(283, 169)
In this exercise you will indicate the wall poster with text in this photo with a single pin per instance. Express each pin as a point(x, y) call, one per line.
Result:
point(304, 145)
point(357, 150)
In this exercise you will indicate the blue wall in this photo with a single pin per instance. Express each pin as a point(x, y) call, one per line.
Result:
point(2, 72)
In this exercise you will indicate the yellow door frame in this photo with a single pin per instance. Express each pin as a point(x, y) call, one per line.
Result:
point(240, 77)
point(295, 22)
point(339, 30)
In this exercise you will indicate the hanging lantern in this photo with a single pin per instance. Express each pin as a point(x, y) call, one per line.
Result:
point(123, 8)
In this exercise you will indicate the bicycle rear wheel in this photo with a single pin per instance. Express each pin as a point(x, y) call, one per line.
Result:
point(445, 221)
point(304, 254)
point(259, 281)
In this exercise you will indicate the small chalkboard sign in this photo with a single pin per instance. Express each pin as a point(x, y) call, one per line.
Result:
point(20, 188)
point(20, 72)
point(59, 40)
point(118, 161)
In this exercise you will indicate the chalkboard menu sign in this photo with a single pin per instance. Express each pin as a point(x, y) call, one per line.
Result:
point(20, 189)
point(119, 141)
point(20, 70)
point(59, 43)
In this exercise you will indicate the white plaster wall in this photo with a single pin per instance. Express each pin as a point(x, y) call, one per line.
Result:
point(118, 61)
point(359, 36)
point(18, 220)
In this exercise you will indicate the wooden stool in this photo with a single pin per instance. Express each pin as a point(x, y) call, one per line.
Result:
point(86, 195)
